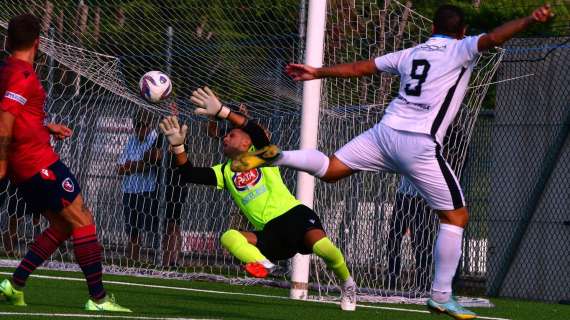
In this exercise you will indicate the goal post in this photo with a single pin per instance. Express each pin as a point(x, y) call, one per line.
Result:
point(309, 132)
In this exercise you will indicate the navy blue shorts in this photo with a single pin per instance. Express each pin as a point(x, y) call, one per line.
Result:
point(53, 188)
point(140, 211)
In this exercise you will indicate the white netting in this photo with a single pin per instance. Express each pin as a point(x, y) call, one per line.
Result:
point(384, 229)
point(94, 53)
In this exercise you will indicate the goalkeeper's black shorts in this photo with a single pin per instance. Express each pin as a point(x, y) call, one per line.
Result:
point(283, 236)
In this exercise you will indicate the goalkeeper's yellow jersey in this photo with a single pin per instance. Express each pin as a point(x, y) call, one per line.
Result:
point(260, 193)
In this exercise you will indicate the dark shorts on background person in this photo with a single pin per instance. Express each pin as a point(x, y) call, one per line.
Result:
point(140, 211)
point(175, 197)
point(53, 189)
point(284, 236)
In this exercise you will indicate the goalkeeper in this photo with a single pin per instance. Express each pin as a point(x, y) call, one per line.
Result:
point(283, 225)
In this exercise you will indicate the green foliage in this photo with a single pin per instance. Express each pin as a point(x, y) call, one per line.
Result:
point(492, 13)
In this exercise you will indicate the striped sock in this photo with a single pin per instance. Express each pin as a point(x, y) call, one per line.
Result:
point(88, 255)
point(40, 250)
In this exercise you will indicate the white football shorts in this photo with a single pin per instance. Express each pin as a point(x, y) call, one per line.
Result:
point(416, 156)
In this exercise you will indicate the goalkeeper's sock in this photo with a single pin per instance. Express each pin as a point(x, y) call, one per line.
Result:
point(237, 245)
point(311, 161)
point(446, 258)
point(41, 249)
point(325, 249)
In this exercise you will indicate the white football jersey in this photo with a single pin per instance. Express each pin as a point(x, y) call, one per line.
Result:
point(433, 79)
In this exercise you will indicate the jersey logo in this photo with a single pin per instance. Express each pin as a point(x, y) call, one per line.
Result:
point(432, 47)
point(246, 180)
point(312, 221)
point(67, 185)
point(16, 97)
point(47, 174)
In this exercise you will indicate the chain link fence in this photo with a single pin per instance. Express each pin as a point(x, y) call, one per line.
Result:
point(517, 177)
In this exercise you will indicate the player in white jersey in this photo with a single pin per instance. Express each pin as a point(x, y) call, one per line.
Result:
point(433, 80)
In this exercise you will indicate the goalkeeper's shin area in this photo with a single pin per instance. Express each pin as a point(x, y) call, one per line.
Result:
point(260, 158)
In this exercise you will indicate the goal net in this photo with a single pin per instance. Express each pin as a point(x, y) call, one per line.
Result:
point(385, 229)
point(94, 52)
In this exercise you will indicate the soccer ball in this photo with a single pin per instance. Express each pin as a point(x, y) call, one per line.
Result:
point(155, 86)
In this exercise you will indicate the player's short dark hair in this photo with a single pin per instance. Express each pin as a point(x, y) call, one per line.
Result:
point(449, 20)
point(23, 30)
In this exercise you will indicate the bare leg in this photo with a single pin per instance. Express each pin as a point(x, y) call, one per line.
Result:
point(172, 243)
point(458, 217)
point(133, 250)
point(313, 236)
point(250, 236)
point(336, 170)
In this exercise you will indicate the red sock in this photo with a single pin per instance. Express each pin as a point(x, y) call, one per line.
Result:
point(40, 250)
point(88, 255)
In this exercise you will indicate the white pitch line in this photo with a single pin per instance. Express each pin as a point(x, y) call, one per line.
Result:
point(81, 315)
point(238, 294)
point(401, 309)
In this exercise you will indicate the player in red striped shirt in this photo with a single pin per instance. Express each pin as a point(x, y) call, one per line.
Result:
point(47, 185)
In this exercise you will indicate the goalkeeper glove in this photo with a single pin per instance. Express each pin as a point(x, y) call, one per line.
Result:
point(174, 133)
point(208, 104)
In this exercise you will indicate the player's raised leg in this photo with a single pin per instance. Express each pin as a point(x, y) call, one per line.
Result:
point(331, 254)
point(314, 162)
point(242, 246)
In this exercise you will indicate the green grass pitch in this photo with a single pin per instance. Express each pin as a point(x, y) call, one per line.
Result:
point(52, 298)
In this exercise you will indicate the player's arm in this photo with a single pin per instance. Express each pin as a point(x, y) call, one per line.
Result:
point(302, 72)
point(11, 104)
point(506, 31)
point(208, 104)
point(131, 167)
point(176, 135)
point(6, 125)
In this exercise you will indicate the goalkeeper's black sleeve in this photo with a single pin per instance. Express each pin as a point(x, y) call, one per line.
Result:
point(197, 175)
point(257, 134)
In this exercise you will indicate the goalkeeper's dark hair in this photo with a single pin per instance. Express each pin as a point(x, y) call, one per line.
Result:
point(23, 30)
point(449, 20)
point(259, 137)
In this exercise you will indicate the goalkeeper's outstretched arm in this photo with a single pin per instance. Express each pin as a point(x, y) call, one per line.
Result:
point(208, 104)
point(176, 135)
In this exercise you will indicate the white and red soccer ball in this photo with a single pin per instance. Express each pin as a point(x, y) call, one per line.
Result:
point(155, 86)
